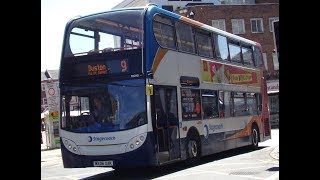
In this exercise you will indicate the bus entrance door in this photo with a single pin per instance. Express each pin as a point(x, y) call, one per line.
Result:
point(166, 123)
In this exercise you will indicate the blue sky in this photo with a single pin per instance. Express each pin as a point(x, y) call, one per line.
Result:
point(54, 16)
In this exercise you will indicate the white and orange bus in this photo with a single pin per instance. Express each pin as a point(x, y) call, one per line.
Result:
point(172, 89)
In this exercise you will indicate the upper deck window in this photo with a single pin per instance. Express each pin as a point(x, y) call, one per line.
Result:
point(163, 29)
point(185, 37)
point(221, 47)
point(235, 52)
point(247, 55)
point(204, 44)
point(112, 31)
point(257, 56)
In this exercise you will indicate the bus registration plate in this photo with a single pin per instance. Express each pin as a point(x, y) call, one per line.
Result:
point(102, 163)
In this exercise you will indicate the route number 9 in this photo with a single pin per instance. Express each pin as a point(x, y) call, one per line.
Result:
point(123, 66)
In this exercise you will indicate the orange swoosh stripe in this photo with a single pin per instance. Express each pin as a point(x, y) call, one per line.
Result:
point(159, 56)
point(247, 130)
point(193, 22)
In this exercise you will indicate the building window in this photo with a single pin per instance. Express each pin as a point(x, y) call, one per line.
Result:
point(168, 8)
point(275, 61)
point(43, 88)
point(264, 57)
point(271, 24)
point(219, 23)
point(238, 26)
point(44, 101)
point(256, 25)
point(274, 103)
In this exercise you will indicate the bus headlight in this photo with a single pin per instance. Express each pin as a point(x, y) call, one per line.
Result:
point(70, 145)
point(136, 142)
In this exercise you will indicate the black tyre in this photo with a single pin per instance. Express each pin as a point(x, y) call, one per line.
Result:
point(255, 137)
point(193, 149)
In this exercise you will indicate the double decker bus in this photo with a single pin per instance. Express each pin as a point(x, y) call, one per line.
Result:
point(170, 88)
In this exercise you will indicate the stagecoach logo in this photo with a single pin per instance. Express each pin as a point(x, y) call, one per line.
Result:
point(90, 139)
point(215, 127)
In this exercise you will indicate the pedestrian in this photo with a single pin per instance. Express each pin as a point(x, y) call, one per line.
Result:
point(43, 125)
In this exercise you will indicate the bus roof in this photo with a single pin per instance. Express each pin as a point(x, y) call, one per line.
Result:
point(185, 19)
point(205, 26)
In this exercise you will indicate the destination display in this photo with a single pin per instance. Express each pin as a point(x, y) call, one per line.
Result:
point(110, 67)
point(98, 68)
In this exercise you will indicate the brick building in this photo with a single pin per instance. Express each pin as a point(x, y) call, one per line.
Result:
point(251, 21)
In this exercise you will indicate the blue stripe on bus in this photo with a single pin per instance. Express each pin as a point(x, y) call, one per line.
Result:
point(215, 143)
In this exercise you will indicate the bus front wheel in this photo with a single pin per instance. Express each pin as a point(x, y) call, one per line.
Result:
point(193, 149)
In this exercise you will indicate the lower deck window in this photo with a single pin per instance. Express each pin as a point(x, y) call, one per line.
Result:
point(190, 100)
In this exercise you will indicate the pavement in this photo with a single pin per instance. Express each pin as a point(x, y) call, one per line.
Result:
point(44, 141)
point(275, 153)
point(45, 145)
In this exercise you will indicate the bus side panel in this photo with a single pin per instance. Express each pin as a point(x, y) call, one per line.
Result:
point(216, 143)
point(144, 156)
point(213, 143)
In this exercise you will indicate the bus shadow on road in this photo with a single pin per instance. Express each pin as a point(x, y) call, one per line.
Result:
point(156, 172)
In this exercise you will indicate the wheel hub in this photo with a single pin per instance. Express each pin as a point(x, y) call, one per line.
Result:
point(193, 148)
point(254, 136)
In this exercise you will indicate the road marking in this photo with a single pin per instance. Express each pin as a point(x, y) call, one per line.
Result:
point(51, 159)
point(225, 164)
point(272, 161)
point(255, 167)
point(274, 176)
point(180, 175)
point(204, 171)
point(249, 176)
point(227, 174)
point(73, 176)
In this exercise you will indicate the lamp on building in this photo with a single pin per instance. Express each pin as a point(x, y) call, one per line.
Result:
point(191, 15)
point(48, 75)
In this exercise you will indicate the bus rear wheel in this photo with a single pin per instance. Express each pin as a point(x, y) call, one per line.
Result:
point(254, 137)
